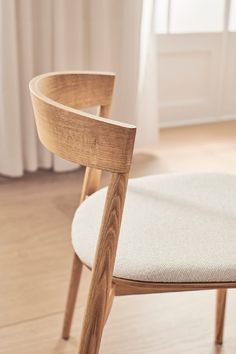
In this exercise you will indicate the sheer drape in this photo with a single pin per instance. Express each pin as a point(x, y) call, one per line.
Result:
point(46, 35)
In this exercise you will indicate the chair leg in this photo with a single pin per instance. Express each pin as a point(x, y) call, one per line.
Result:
point(109, 303)
point(220, 315)
point(95, 318)
point(100, 293)
point(72, 294)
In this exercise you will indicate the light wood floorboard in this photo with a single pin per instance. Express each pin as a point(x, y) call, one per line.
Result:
point(36, 256)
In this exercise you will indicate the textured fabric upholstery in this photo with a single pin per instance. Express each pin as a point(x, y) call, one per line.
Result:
point(175, 228)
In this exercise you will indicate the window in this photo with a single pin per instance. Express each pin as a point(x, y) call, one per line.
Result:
point(192, 16)
point(232, 16)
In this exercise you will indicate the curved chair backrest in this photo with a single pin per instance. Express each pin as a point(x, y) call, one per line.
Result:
point(75, 135)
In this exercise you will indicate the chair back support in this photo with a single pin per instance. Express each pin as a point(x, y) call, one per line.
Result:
point(75, 135)
point(99, 144)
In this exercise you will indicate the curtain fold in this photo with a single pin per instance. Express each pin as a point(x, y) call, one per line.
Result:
point(53, 35)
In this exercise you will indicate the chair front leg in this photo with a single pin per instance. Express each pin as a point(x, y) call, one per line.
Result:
point(95, 316)
point(99, 301)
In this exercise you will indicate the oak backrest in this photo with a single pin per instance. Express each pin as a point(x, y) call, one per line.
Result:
point(96, 142)
point(77, 136)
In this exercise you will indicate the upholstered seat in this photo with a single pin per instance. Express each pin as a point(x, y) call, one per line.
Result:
point(175, 228)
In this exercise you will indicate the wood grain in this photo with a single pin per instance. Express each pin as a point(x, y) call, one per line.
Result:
point(92, 176)
point(78, 89)
point(110, 302)
point(132, 287)
point(91, 184)
point(94, 142)
point(103, 265)
point(78, 136)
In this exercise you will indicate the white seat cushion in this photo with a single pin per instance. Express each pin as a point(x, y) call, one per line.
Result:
point(175, 228)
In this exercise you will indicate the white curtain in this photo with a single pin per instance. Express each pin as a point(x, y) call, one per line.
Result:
point(38, 36)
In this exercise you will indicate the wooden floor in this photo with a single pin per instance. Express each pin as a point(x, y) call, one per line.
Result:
point(35, 259)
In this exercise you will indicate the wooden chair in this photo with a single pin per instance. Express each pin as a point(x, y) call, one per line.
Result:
point(176, 205)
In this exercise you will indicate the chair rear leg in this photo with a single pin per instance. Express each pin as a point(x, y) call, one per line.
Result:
point(220, 315)
point(72, 295)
